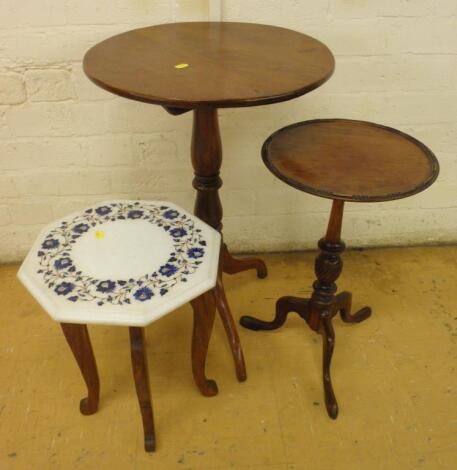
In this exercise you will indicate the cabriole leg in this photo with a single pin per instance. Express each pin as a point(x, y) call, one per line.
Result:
point(78, 339)
point(141, 376)
point(204, 311)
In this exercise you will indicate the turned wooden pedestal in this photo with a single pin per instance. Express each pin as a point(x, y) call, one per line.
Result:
point(345, 161)
point(202, 67)
point(206, 160)
point(323, 305)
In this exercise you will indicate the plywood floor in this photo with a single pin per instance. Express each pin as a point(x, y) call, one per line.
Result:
point(394, 376)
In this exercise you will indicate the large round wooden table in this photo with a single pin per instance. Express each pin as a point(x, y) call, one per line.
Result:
point(202, 67)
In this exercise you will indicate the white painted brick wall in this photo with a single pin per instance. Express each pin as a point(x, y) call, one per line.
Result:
point(65, 144)
point(49, 85)
point(11, 89)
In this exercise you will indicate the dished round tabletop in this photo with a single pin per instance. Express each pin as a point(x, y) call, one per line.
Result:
point(350, 160)
point(220, 64)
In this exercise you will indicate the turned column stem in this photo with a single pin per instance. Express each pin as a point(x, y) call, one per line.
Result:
point(206, 160)
point(335, 222)
point(328, 267)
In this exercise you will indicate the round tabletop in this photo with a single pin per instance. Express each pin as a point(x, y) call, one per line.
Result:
point(219, 64)
point(350, 160)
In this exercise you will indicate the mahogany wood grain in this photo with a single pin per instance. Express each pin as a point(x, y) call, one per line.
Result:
point(206, 154)
point(141, 376)
point(335, 223)
point(204, 308)
point(350, 160)
point(284, 306)
point(78, 339)
point(230, 328)
point(206, 160)
point(225, 64)
point(231, 265)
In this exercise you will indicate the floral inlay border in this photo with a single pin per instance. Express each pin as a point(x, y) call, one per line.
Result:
point(62, 275)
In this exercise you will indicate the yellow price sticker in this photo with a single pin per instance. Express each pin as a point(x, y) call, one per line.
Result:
point(181, 66)
point(99, 234)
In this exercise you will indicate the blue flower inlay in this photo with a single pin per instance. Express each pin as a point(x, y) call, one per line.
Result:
point(103, 210)
point(106, 286)
point(81, 228)
point(50, 243)
point(62, 263)
point(143, 294)
point(178, 232)
point(196, 252)
point(64, 288)
point(136, 214)
point(168, 269)
point(61, 273)
point(171, 214)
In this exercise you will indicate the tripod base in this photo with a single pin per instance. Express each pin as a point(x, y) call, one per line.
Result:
point(304, 307)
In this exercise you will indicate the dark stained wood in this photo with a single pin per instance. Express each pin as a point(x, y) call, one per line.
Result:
point(206, 153)
point(206, 160)
point(284, 306)
point(230, 328)
point(176, 111)
point(204, 311)
point(228, 64)
point(328, 344)
point(141, 376)
point(231, 265)
point(323, 305)
point(350, 160)
point(343, 160)
point(328, 267)
point(78, 339)
point(344, 306)
point(335, 222)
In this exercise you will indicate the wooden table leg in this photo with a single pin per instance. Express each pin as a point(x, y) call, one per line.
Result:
point(230, 328)
point(284, 306)
point(78, 339)
point(323, 305)
point(141, 376)
point(206, 160)
point(231, 265)
point(328, 343)
point(204, 311)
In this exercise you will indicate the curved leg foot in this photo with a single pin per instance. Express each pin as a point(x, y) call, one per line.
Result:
point(141, 376)
point(328, 346)
point(344, 304)
point(204, 310)
point(231, 265)
point(230, 329)
point(78, 339)
point(284, 306)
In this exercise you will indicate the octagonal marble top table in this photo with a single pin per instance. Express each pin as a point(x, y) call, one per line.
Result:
point(121, 263)
point(125, 263)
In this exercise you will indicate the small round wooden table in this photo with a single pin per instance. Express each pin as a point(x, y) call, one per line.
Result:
point(203, 67)
point(342, 160)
